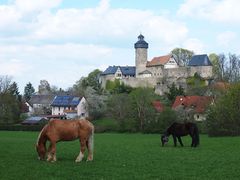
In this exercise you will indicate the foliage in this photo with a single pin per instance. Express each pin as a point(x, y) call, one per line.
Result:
point(10, 101)
point(119, 108)
point(174, 92)
point(161, 121)
point(223, 116)
point(105, 125)
point(196, 85)
point(44, 87)
point(122, 156)
point(226, 67)
point(141, 106)
point(182, 56)
point(115, 87)
point(28, 91)
point(92, 80)
point(96, 103)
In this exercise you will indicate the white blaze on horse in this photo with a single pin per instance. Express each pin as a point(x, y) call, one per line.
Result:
point(65, 130)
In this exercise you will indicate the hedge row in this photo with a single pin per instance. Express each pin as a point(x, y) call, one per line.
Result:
point(20, 127)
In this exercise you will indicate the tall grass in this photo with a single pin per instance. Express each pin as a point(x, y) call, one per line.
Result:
point(121, 156)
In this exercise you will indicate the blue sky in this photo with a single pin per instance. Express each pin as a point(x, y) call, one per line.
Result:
point(63, 40)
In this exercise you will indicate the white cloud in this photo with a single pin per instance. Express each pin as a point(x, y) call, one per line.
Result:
point(29, 6)
point(195, 45)
point(69, 43)
point(226, 38)
point(13, 67)
point(216, 10)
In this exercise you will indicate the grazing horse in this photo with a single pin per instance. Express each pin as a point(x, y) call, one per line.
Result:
point(181, 129)
point(65, 130)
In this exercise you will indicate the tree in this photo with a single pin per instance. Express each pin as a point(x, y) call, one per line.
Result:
point(93, 80)
point(182, 56)
point(214, 58)
point(174, 92)
point(115, 87)
point(28, 91)
point(119, 108)
point(223, 116)
point(10, 101)
point(141, 106)
point(44, 87)
point(196, 85)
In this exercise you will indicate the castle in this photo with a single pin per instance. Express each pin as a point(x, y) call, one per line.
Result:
point(158, 73)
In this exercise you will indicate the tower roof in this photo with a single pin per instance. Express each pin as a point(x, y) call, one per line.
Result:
point(141, 43)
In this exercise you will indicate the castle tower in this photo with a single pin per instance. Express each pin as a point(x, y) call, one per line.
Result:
point(141, 55)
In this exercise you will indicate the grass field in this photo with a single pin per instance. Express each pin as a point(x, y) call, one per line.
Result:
point(122, 156)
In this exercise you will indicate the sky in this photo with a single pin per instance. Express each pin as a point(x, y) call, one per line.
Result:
point(63, 40)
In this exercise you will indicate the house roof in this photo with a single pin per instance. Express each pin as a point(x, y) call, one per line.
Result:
point(126, 70)
point(158, 106)
point(198, 103)
point(41, 99)
point(34, 120)
point(200, 60)
point(158, 61)
point(66, 101)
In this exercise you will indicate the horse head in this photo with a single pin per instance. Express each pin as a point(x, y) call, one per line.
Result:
point(41, 150)
point(164, 139)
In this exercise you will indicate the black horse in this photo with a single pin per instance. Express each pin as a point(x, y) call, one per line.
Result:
point(181, 129)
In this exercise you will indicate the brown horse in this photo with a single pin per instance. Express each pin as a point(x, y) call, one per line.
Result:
point(65, 130)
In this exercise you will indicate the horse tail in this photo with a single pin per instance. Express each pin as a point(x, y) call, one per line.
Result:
point(91, 140)
point(196, 134)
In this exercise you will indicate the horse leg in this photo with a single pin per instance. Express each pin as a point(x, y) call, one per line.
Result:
point(90, 151)
point(193, 140)
point(180, 140)
point(175, 140)
point(52, 152)
point(82, 150)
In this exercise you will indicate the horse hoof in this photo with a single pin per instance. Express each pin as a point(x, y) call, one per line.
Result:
point(77, 160)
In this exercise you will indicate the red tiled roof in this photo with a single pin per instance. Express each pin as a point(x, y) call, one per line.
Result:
point(161, 60)
point(198, 103)
point(158, 106)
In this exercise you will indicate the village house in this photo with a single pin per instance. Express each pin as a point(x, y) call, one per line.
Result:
point(71, 106)
point(194, 106)
point(40, 104)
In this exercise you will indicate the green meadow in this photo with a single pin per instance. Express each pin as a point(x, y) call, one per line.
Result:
point(122, 156)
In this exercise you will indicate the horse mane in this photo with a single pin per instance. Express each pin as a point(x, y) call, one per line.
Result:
point(41, 137)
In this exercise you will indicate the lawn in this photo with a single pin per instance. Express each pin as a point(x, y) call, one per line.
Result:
point(122, 156)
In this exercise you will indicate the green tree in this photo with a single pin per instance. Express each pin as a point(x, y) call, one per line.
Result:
point(115, 87)
point(223, 116)
point(174, 91)
point(141, 106)
point(214, 58)
point(119, 108)
point(93, 80)
point(196, 85)
point(28, 91)
point(182, 56)
point(9, 101)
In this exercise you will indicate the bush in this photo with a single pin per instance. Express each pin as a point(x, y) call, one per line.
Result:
point(19, 127)
point(223, 117)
